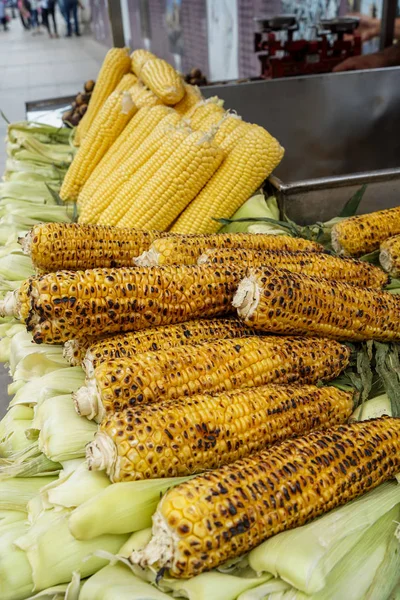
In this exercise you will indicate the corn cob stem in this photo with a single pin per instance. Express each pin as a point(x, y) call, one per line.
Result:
point(190, 435)
point(314, 264)
point(216, 366)
point(281, 302)
point(225, 513)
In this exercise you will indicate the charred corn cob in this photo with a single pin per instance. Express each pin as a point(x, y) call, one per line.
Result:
point(111, 120)
point(175, 184)
point(202, 110)
point(155, 338)
point(16, 304)
point(192, 96)
point(136, 133)
point(186, 250)
point(353, 271)
point(115, 65)
point(389, 255)
point(66, 304)
point(139, 58)
point(69, 246)
point(363, 233)
point(142, 96)
point(225, 513)
point(244, 169)
point(191, 435)
point(162, 79)
point(114, 196)
point(282, 302)
point(216, 366)
point(126, 82)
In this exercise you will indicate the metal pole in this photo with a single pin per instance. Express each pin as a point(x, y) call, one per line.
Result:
point(389, 8)
point(117, 28)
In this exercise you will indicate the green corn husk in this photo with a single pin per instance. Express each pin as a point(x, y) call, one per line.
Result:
point(31, 191)
point(14, 387)
point(15, 267)
point(372, 409)
point(55, 383)
point(54, 554)
point(30, 462)
point(5, 349)
point(7, 517)
point(63, 434)
point(15, 571)
point(12, 430)
point(16, 493)
point(28, 212)
point(255, 207)
point(46, 357)
point(304, 556)
point(74, 488)
point(46, 134)
point(136, 501)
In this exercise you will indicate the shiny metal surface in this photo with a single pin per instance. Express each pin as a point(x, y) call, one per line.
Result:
point(389, 11)
point(339, 131)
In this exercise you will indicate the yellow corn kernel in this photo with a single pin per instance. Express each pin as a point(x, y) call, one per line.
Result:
point(202, 110)
point(115, 65)
point(191, 98)
point(162, 79)
point(244, 169)
point(138, 59)
point(222, 514)
point(176, 183)
point(109, 123)
point(278, 301)
point(129, 172)
point(142, 96)
point(126, 83)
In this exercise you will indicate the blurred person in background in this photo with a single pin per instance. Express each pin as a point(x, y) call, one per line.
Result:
point(24, 7)
point(368, 29)
point(48, 10)
point(3, 17)
point(35, 11)
point(71, 11)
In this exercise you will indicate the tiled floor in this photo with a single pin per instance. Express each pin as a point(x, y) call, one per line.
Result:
point(36, 68)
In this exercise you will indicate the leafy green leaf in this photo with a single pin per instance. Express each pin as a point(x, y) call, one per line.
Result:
point(351, 206)
point(56, 197)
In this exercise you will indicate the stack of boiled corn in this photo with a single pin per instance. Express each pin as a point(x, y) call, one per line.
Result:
point(153, 154)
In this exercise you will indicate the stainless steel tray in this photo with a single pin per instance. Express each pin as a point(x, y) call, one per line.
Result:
point(339, 131)
point(49, 111)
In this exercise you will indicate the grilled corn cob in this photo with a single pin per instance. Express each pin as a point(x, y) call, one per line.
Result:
point(186, 250)
point(175, 184)
point(96, 351)
point(113, 198)
point(192, 96)
point(142, 96)
point(139, 58)
point(389, 255)
point(216, 366)
point(244, 169)
point(66, 304)
point(111, 120)
point(115, 65)
point(353, 271)
point(363, 233)
point(136, 133)
point(162, 79)
point(282, 302)
point(190, 435)
point(126, 82)
point(69, 246)
point(225, 513)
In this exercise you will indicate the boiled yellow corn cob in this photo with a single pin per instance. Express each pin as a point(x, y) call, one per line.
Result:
point(281, 302)
point(128, 142)
point(73, 247)
point(202, 110)
point(95, 350)
point(217, 366)
point(139, 58)
point(389, 255)
point(114, 196)
point(192, 96)
point(191, 435)
point(110, 122)
point(175, 184)
point(186, 250)
point(126, 83)
point(115, 65)
point(160, 77)
point(225, 513)
point(364, 233)
point(68, 304)
point(230, 131)
point(244, 169)
point(142, 96)
point(315, 264)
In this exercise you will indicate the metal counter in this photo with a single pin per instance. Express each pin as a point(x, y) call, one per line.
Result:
point(339, 131)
